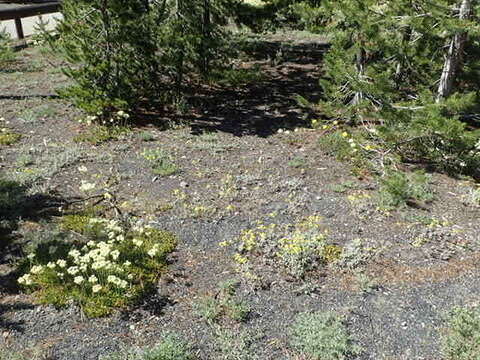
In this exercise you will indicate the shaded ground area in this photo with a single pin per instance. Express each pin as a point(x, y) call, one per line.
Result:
point(236, 168)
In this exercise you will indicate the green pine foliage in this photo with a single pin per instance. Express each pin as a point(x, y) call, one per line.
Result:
point(124, 56)
point(384, 67)
point(111, 51)
point(6, 53)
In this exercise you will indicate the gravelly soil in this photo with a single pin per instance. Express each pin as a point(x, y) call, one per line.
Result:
point(240, 174)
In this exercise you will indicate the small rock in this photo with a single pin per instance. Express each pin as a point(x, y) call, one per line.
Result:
point(183, 184)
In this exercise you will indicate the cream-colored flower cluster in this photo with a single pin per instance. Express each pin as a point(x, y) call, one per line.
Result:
point(101, 264)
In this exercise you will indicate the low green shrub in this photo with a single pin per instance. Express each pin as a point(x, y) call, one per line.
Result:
point(462, 340)
point(234, 345)
point(322, 336)
point(397, 188)
point(111, 265)
point(171, 347)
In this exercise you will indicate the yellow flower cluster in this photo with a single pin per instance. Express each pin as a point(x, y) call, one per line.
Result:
point(290, 242)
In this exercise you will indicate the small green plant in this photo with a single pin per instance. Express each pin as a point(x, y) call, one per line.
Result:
point(462, 340)
point(346, 146)
point(36, 352)
point(171, 347)
point(161, 162)
point(472, 197)
point(398, 188)
point(297, 162)
point(99, 134)
point(146, 136)
point(357, 253)
point(223, 304)
point(237, 345)
point(365, 283)
point(6, 52)
point(111, 265)
point(31, 116)
point(344, 186)
point(322, 336)
point(24, 160)
point(336, 144)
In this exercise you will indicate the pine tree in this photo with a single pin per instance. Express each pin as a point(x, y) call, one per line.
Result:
point(123, 54)
point(111, 51)
point(389, 64)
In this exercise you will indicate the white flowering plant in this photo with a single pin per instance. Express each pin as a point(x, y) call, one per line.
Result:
point(112, 266)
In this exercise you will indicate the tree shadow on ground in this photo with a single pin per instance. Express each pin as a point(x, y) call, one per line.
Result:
point(9, 324)
point(17, 204)
point(258, 109)
point(288, 71)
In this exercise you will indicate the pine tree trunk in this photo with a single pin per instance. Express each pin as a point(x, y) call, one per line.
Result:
point(454, 58)
point(360, 67)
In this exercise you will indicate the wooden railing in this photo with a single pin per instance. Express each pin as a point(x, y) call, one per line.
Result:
point(22, 9)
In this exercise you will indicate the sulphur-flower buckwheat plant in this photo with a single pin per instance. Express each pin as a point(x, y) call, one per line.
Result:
point(299, 247)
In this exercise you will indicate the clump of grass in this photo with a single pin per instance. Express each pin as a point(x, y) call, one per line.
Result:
point(110, 266)
point(9, 138)
point(160, 161)
point(462, 340)
point(398, 188)
point(222, 305)
point(98, 134)
point(345, 146)
point(322, 336)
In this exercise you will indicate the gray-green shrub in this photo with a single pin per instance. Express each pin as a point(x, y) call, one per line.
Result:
point(322, 336)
